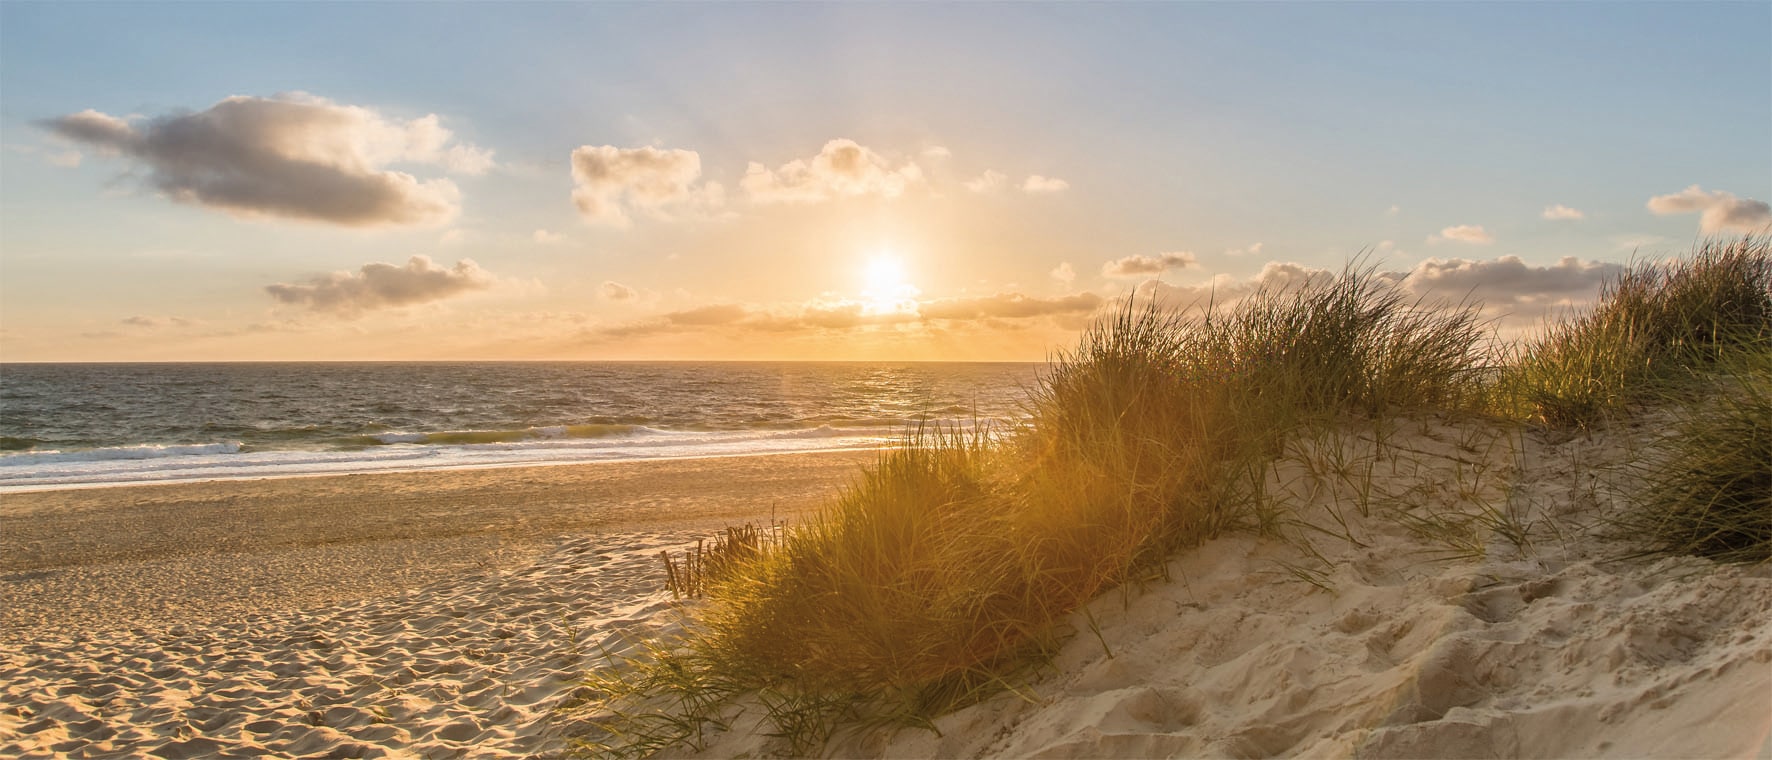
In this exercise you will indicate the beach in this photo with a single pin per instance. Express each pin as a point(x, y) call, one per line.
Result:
point(420, 614)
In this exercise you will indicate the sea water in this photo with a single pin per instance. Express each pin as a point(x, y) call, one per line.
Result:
point(73, 425)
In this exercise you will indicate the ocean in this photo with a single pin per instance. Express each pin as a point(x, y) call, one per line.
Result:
point(76, 425)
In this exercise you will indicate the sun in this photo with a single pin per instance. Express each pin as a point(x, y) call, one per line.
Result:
point(886, 286)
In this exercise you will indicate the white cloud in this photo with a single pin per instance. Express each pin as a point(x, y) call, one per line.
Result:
point(1254, 249)
point(1064, 273)
point(1464, 233)
point(988, 182)
point(1718, 211)
point(615, 291)
point(841, 169)
point(1560, 212)
point(937, 151)
point(1038, 184)
point(294, 156)
point(1393, 210)
point(545, 237)
point(380, 286)
point(1144, 266)
point(611, 182)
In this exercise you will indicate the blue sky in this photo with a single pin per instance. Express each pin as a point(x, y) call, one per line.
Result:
point(1196, 128)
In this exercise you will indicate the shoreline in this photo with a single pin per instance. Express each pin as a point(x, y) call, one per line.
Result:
point(6, 490)
point(89, 560)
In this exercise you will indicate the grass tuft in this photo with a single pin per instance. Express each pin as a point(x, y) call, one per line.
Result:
point(1709, 493)
point(1652, 327)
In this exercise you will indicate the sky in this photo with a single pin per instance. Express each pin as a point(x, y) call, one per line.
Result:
point(856, 181)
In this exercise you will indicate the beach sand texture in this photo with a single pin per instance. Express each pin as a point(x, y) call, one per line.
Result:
point(434, 614)
point(1546, 648)
point(1551, 649)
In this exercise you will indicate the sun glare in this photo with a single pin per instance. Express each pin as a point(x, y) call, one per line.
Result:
point(886, 284)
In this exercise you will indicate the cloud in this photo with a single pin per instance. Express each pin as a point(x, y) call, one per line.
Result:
point(615, 291)
point(1516, 294)
point(1254, 249)
point(1508, 281)
point(1393, 210)
point(1038, 184)
point(841, 169)
point(1718, 211)
point(545, 237)
point(846, 314)
point(294, 156)
point(1142, 266)
point(151, 322)
point(611, 182)
point(1561, 212)
point(380, 286)
point(1064, 273)
point(988, 182)
point(1008, 306)
point(937, 151)
point(1464, 233)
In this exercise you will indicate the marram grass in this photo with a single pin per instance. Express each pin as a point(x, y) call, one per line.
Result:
point(939, 575)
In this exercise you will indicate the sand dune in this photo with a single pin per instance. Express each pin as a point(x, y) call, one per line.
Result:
point(1544, 646)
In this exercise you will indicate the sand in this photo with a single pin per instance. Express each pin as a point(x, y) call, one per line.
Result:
point(1536, 642)
point(450, 616)
point(434, 614)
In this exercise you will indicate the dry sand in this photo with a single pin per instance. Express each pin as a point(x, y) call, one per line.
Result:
point(1544, 647)
point(434, 614)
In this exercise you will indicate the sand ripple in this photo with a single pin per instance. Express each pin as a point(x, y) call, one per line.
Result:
point(472, 666)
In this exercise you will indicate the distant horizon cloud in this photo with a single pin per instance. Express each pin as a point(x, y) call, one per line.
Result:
point(1144, 266)
point(842, 168)
point(292, 156)
point(1464, 233)
point(1253, 249)
point(610, 183)
point(843, 314)
point(1063, 273)
point(379, 285)
point(1506, 288)
point(546, 237)
point(1560, 212)
point(1035, 184)
point(1718, 210)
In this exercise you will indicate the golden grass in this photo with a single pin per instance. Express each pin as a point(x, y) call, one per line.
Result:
point(943, 569)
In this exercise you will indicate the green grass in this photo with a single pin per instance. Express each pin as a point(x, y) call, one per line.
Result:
point(1708, 492)
point(1651, 328)
point(937, 578)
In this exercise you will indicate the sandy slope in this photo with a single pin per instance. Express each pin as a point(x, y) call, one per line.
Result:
point(1537, 648)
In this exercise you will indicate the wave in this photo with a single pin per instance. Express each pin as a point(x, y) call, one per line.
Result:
point(118, 453)
point(470, 437)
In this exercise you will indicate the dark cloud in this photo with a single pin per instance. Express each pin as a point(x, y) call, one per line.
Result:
point(381, 286)
point(295, 156)
point(1144, 266)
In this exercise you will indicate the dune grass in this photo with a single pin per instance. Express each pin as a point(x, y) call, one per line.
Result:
point(1651, 328)
point(942, 571)
point(1708, 490)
